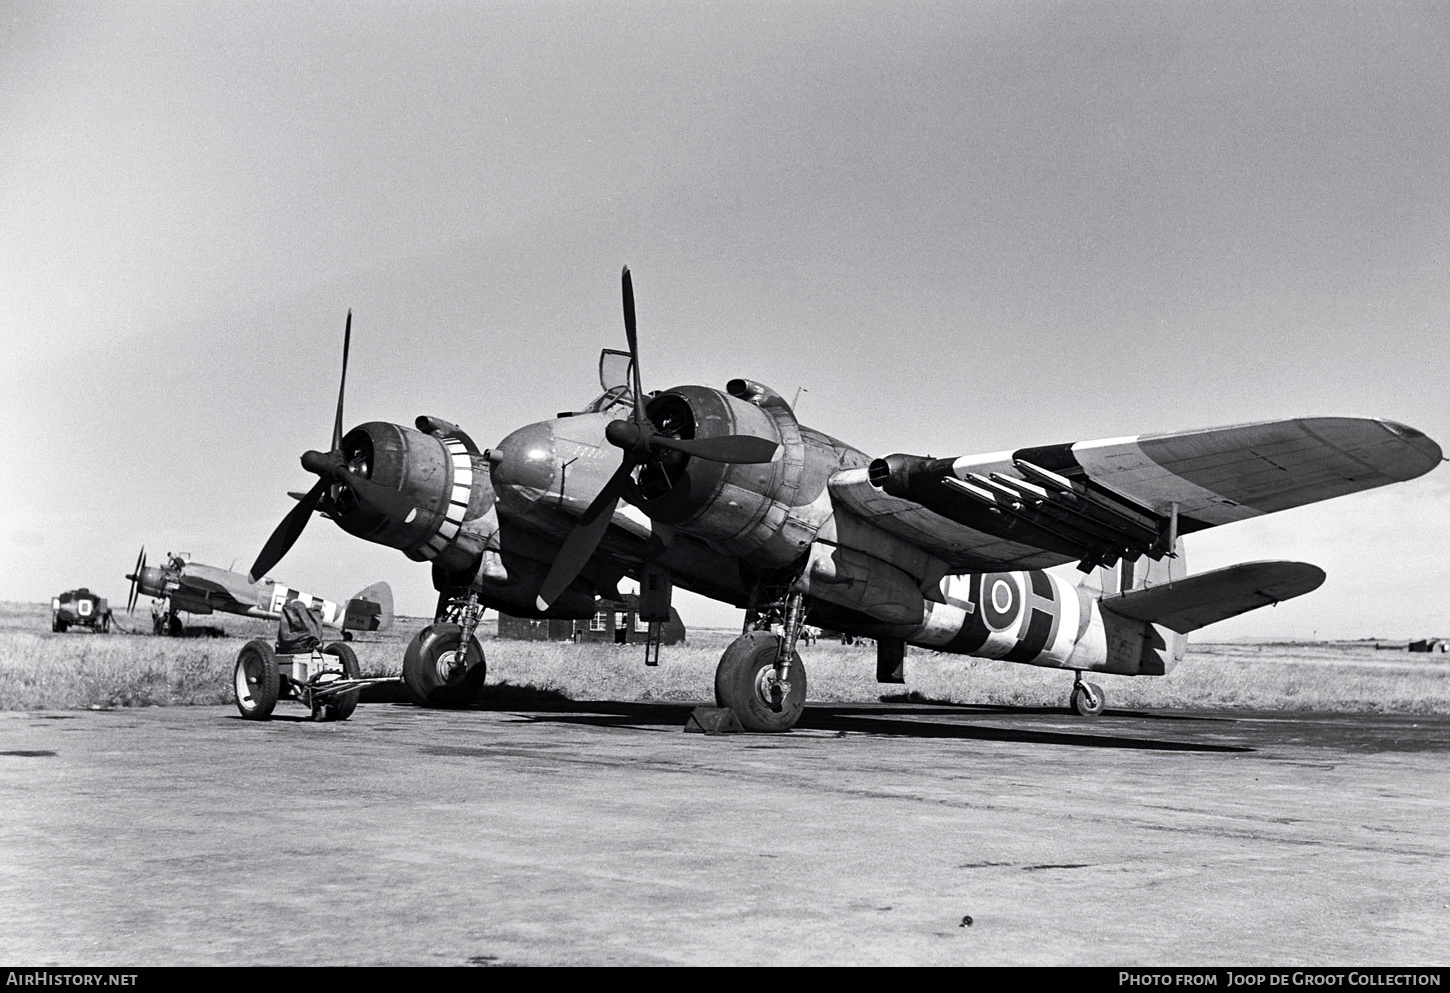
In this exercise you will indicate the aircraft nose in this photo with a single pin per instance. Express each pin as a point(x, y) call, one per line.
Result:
point(525, 460)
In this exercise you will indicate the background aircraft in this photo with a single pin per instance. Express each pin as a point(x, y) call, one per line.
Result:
point(202, 589)
point(728, 494)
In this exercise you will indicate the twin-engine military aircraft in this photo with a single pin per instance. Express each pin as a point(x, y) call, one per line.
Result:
point(183, 585)
point(727, 494)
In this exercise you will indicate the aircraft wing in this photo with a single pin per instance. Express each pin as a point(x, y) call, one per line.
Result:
point(1096, 501)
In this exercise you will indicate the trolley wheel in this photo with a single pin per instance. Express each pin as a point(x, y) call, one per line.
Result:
point(430, 673)
point(340, 706)
point(256, 681)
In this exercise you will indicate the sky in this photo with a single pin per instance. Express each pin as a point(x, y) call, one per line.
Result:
point(947, 228)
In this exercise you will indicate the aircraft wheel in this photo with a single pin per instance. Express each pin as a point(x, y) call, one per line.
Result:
point(174, 627)
point(1088, 699)
point(430, 671)
point(58, 626)
point(256, 681)
point(340, 706)
point(745, 682)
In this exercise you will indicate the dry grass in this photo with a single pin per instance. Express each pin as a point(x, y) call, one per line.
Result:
point(41, 670)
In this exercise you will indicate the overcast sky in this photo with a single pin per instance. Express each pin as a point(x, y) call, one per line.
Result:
point(955, 228)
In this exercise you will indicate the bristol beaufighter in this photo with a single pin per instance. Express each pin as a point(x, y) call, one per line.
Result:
point(727, 494)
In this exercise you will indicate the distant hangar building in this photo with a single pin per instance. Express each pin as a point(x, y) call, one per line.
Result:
point(1431, 645)
point(614, 621)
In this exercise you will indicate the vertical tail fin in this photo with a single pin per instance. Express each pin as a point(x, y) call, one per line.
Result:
point(370, 609)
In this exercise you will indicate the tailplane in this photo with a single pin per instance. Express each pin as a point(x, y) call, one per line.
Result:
point(1146, 625)
point(370, 609)
point(1196, 601)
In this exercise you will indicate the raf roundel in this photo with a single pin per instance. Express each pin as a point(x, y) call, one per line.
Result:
point(1001, 601)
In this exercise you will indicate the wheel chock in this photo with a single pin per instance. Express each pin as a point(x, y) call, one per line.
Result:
point(713, 720)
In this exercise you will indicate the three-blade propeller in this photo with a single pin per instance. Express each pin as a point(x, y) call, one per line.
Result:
point(331, 467)
point(637, 437)
point(135, 577)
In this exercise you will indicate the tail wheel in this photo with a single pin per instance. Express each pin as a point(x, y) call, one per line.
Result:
point(431, 673)
point(745, 681)
point(340, 706)
point(256, 681)
point(1088, 699)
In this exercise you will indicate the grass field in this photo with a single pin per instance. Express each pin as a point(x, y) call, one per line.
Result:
point(80, 669)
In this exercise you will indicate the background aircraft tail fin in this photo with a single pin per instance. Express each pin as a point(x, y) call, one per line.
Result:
point(370, 609)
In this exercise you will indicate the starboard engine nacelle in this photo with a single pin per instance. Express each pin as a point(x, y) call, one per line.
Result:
point(759, 511)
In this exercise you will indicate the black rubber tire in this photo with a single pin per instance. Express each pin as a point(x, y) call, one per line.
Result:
point(255, 681)
point(175, 628)
point(1088, 699)
point(341, 706)
point(737, 682)
point(426, 685)
point(59, 626)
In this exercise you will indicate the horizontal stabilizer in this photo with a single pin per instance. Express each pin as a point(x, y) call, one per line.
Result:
point(370, 610)
point(1195, 601)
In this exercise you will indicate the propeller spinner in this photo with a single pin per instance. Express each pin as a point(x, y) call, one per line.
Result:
point(638, 438)
point(332, 469)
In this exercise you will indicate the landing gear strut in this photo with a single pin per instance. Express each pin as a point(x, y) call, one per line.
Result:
point(1088, 699)
point(760, 677)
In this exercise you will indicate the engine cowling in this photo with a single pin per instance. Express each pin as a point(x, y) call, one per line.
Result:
point(758, 511)
point(447, 484)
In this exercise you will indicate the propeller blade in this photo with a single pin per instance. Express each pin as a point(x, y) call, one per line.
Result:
point(735, 448)
point(287, 532)
point(585, 538)
point(342, 384)
point(739, 449)
point(627, 290)
point(135, 578)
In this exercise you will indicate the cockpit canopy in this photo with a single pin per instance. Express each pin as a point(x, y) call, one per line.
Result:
point(615, 377)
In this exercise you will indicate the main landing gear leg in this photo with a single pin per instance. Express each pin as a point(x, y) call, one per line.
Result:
point(444, 664)
point(761, 678)
point(1088, 699)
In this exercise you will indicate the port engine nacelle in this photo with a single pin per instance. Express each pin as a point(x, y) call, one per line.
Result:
point(447, 484)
